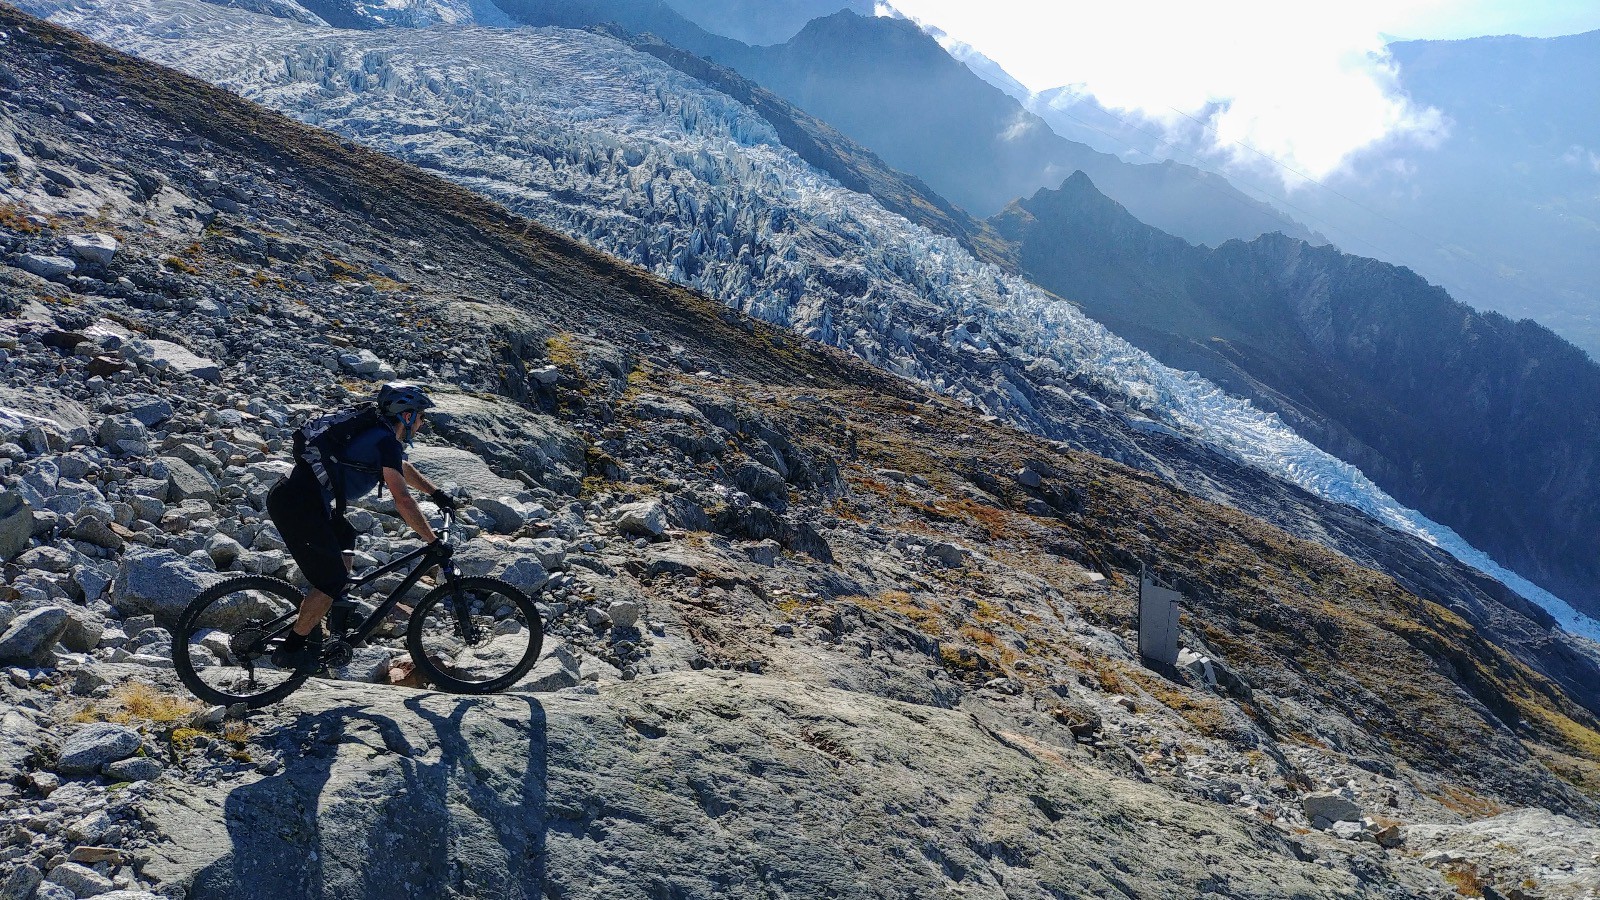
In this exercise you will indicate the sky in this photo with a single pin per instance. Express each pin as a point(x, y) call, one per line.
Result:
point(1308, 84)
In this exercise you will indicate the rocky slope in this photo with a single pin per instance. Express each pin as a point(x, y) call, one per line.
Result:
point(815, 632)
point(1473, 419)
point(665, 171)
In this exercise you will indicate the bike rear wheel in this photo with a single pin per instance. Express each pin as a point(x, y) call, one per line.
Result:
point(223, 642)
point(489, 650)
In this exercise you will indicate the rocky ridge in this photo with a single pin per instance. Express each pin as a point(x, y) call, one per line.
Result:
point(785, 591)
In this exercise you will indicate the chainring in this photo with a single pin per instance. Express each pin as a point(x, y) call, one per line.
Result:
point(336, 654)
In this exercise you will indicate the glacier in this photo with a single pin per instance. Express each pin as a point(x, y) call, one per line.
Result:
point(611, 146)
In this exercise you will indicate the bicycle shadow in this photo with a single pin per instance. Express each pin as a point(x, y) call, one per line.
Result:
point(438, 802)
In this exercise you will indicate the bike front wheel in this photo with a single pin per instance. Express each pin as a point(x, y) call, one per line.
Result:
point(222, 645)
point(482, 641)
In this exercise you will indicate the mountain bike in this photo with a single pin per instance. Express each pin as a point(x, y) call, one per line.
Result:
point(468, 635)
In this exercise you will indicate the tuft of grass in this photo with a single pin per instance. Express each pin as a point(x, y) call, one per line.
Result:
point(137, 703)
point(561, 349)
point(1467, 880)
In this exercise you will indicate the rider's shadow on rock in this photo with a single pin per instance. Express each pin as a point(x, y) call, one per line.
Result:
point(447, 802)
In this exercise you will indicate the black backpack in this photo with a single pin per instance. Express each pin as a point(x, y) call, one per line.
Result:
point(320, 443)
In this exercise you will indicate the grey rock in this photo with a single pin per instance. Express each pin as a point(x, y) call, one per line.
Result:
point(49, 890)
point(168, 356)
point(551, 673)
point(115, 430)
point(624, 613)
point(22, 882)
point(31, 637)
point(222, 549)
point(367, 664)
point(83, 631)
point(1029, 477)
point(82, 881)
point(1330, 808)
point(149, 410)
point(95, 248)
point(16, 525)
point(133, 769)
point(948, 554)
point(526, 574)
point(159, 582)
point(46, 266)
point(187, 482)
point(1349, 831)
point(647, 518)
point(551, 552)
point(507, 516)
point(508, 436)
point(97, 531)
point(454, 466)
point(95, 745)
point(763, 552)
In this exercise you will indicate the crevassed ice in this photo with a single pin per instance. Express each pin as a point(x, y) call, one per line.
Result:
point(624, 152)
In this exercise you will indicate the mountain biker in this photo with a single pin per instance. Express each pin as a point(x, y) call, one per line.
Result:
point(308, 506)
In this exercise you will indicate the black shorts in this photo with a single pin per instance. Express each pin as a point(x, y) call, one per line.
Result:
point(316, 535)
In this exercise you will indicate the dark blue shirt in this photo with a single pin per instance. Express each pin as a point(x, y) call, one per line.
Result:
point(368, 454)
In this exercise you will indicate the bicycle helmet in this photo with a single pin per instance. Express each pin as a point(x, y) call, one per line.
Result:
point(403, 403)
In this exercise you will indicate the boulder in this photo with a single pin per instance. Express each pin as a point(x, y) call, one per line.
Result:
point(947, 554)
point(159, 582)
point(1325, 809)
point(511, 437)
point(551, 552)
point(647, 518)
point(624, 613)
point(526, 574)
point(367, 664)
point(96, 248)
point(95, 745)
point(185, 482)
point(83, 631)
point(508, 515)
point(765, 552)
point(16, 525)
point(149, 410)
point(61, 419)
point(170, 357)
point(46, 266)
point(557, 669)
point(453, 466)
point(116, 431)
point(21, 884)
point(30, 639)
point(82, 881)
point(134, 768)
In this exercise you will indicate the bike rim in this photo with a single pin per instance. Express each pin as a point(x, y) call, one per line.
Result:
point(229, 646)
point(497, 641)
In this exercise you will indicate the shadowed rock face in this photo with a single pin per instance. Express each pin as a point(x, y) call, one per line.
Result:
point(694, 784)
point(907, 671)
point(1486, 425)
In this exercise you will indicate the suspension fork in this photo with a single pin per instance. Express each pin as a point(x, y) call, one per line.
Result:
point(465, 626)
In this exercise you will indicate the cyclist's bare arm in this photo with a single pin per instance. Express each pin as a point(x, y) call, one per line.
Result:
point(406, 505)
point(417, 479)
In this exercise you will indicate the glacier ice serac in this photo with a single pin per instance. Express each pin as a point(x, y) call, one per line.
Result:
point(613, 147)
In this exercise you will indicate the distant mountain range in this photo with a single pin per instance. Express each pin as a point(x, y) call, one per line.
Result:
point(1504, 212)
point(1488, 424)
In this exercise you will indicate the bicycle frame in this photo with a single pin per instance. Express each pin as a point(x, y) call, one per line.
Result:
point(338, 615)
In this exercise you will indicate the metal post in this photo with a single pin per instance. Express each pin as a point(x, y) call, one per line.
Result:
point(1158, 618)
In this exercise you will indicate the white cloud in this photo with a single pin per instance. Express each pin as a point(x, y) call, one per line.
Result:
point(1309, 85)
